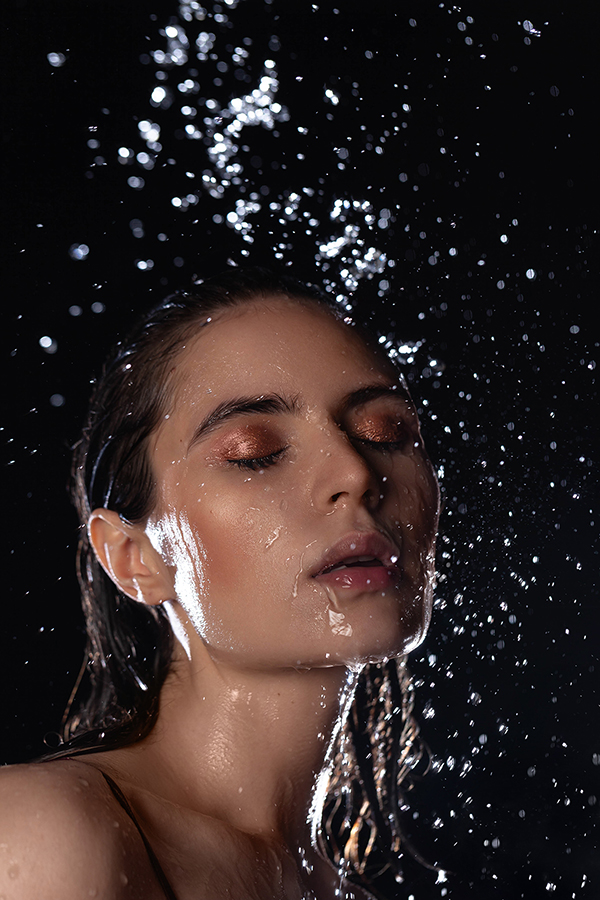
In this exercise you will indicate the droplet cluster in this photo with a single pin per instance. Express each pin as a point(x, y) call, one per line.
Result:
point(428, 164)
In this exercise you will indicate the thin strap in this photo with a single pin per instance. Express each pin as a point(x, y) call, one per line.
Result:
point(158, 869)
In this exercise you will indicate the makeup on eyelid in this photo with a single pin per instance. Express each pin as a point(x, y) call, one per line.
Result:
point(390, 431)
point(258, 442)
point(251, 442)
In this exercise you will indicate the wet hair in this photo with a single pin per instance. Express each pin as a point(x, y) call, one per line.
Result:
point(129, 644)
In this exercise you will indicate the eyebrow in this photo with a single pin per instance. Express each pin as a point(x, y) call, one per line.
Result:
point(265, 404)
point(373, 392)
point(278, 404)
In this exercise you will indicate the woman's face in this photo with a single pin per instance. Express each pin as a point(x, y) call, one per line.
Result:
point(297, 506)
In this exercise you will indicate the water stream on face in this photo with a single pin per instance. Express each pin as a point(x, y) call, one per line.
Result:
point(297, 576)
point(338, 624)
point(405, 157)
point(274, 536)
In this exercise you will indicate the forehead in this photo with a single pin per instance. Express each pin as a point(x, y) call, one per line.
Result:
point(276, 343)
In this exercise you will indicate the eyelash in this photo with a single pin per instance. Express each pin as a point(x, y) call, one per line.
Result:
point(383, 445)
point(259, 462)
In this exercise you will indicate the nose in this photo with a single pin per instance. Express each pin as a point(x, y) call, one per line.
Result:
point(344, 477)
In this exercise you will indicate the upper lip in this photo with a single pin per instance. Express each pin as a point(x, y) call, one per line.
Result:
point(356, 544)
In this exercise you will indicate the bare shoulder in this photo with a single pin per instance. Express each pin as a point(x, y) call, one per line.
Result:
point(62, 835)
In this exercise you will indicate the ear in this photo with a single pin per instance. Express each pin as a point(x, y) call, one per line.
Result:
point(128, 557)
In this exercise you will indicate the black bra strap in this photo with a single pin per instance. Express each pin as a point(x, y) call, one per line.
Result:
point(158, 869)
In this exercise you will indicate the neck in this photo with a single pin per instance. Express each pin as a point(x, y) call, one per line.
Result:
point(248, 746)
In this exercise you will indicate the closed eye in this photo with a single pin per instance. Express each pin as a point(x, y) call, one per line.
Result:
point(385, 430)
point(386, 446)
point(258, 462)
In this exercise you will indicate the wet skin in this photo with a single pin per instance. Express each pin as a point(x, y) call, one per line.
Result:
point(292, 537)
point(290, 449)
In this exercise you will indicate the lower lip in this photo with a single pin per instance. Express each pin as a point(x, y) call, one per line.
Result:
point(361, 578)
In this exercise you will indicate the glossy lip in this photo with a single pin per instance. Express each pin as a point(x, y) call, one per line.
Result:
point(362, 578)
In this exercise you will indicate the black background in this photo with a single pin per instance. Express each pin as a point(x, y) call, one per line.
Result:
point(508, 673)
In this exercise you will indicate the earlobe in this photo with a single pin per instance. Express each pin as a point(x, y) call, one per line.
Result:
point(128, 557)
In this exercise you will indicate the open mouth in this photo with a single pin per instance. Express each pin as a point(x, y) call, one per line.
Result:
point(354, 562)
point(365, 562)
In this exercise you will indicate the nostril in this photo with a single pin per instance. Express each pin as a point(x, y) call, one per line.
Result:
point(335, 497)
point(371, 496)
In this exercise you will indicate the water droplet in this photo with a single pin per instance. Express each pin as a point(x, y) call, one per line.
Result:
point(56, 59)
point(48, 344)
point(79, 251)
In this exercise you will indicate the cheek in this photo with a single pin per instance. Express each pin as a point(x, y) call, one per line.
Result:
point(257, 585)
point(416, 496)
point(244, 534)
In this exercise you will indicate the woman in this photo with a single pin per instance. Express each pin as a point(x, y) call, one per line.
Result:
point(252, 481)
